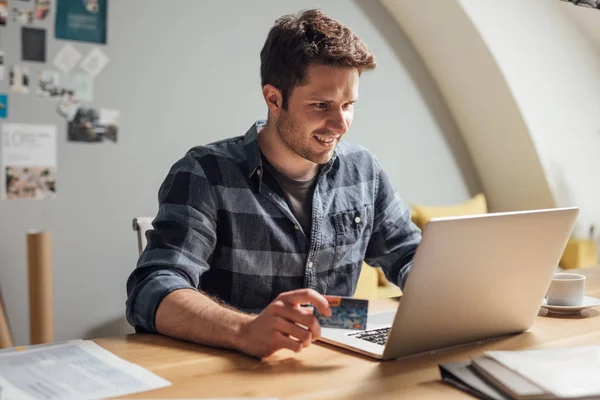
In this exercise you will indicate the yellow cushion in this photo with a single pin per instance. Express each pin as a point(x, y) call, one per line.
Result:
point(367, 283)
point(422, 214)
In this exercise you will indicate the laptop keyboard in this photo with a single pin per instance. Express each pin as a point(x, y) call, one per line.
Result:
point(377, 336)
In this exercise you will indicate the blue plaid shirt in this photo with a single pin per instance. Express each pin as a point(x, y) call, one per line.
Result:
point(224, 228)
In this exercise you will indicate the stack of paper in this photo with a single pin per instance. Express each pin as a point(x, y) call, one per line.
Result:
point(78, 369)
point(570, 373)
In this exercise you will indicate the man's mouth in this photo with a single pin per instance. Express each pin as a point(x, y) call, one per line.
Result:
point(326, 139)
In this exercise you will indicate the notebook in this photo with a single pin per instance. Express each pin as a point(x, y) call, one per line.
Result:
point(531, 374)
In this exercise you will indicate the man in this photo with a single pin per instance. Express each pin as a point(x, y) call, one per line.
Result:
point(251, 228)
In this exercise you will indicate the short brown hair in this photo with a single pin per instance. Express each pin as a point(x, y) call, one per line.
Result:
point(296, 41)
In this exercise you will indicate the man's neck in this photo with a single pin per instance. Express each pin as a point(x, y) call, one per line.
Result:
point(282, 158)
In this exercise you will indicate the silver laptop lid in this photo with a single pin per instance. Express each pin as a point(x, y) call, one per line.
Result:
point(476, 277)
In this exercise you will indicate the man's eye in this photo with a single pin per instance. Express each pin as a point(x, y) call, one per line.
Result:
point(321, 105)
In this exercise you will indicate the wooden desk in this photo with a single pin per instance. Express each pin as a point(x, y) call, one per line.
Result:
point(326, 372)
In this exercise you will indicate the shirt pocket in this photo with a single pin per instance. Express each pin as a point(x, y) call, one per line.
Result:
point(352, 231)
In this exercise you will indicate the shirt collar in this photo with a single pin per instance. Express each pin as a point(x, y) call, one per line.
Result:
point(253, 150)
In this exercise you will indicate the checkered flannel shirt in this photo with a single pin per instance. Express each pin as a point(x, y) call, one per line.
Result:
point(224, 228)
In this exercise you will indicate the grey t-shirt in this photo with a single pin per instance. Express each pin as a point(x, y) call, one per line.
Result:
point(298, 194)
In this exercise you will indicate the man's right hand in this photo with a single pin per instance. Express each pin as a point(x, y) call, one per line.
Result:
point(276, 327)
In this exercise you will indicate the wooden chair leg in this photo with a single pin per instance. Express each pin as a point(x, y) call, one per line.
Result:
point(5, 334)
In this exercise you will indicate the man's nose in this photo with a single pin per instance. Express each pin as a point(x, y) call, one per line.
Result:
point(337, 122)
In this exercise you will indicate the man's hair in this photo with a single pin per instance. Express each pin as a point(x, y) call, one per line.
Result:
point(311, 37)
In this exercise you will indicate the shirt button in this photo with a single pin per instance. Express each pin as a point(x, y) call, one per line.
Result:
point(258, 172)
point(310, 264)
point(296, 227)
point(357, 220)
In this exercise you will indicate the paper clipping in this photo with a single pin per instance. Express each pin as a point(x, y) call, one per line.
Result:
point(83, 84)
point(94, 62)
point(68, 105)
point(74, 370)
point(48, 83)
point(28, 162)
point(66, 58)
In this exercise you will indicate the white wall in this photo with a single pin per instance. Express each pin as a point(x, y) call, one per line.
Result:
point(188, 74)
point(480, 100)
point(553, 72)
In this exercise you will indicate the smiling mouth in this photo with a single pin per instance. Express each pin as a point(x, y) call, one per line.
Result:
point(327, 139)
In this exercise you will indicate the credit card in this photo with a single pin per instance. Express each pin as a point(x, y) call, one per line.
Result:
point(346, 313)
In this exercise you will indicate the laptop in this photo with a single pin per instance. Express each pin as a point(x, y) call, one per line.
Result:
point(473, 278)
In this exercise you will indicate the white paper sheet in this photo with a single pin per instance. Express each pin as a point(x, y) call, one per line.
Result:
point(78, 369)
point(66, 58)
point(94, 62)
point(28, 162)
point(565, 372)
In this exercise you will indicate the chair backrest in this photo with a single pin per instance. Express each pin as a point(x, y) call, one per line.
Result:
point(141, 225)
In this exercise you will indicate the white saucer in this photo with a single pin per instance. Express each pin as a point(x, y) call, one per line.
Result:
point(588, 301)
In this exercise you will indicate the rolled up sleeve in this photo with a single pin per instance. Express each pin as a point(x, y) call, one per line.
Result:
point(395, 237)
point(179, 246)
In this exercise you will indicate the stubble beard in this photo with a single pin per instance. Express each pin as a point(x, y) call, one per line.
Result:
point(291, 136)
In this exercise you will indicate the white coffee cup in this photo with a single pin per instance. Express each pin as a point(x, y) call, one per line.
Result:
point(566, 289)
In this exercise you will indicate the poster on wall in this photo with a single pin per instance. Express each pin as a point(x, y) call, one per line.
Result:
point(82, 20)
point(28, 163)
point(33, 44)
point(3, 105)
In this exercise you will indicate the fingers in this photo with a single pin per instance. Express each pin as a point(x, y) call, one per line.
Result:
point(302, 296)
point(284, 342)
point(289, 328)
point(297, 316)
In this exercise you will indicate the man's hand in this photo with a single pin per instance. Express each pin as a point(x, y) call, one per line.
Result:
point(277, 327)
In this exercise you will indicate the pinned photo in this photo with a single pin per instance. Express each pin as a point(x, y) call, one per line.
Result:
point(1, 65)
point(91, 125)
point(28, 162)
point(68, 105)
point(19, 79)
point(42, 9)
point(47, 84)
point(23, 17)
point(34, 183)
point(3, 12)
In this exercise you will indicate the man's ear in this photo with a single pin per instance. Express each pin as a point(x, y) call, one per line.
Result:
point(273, 98)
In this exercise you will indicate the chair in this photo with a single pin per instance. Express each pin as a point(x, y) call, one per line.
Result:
point(141, 225)
point(5, 333)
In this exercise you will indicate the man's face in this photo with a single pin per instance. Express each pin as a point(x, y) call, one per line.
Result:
point(319, 112)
